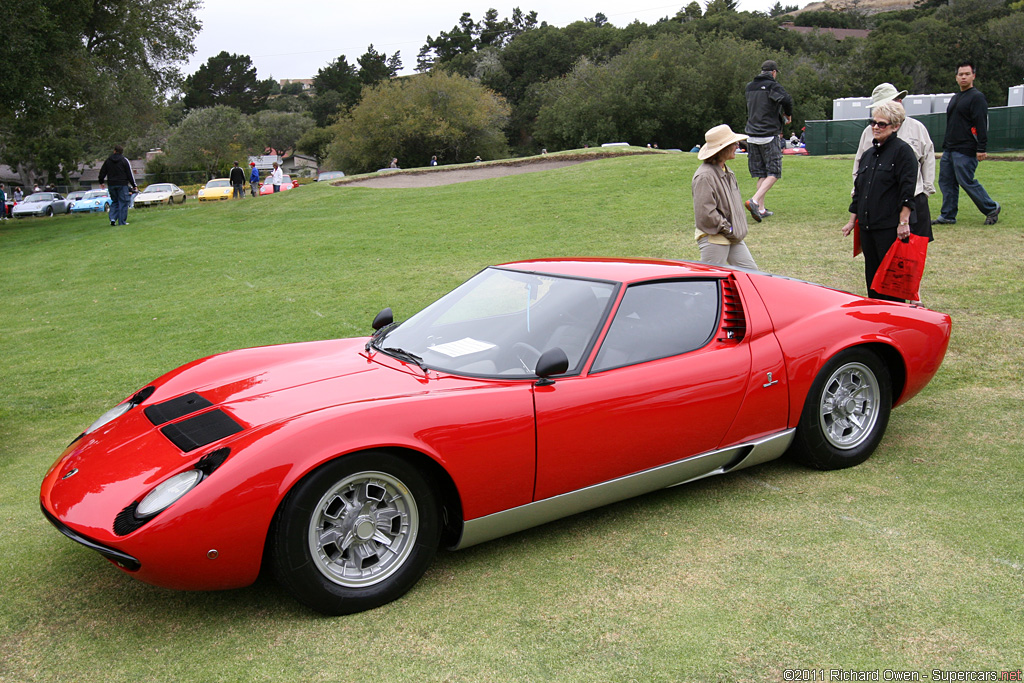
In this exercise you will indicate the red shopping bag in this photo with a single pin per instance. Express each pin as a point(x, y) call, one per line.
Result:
point(900, 272)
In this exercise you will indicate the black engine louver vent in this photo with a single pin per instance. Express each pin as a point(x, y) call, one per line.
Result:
point(734, 323)
point(200, 430)
point(161, 413)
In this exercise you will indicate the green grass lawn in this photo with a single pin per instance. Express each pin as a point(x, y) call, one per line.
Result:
point(911, 561)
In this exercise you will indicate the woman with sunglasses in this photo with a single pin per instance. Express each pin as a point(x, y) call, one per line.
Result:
point(883, 194)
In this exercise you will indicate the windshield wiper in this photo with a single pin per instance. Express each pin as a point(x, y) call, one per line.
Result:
point(402, 354)
point(379, 335)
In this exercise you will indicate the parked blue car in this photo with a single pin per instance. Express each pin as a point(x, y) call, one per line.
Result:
point(94, 200)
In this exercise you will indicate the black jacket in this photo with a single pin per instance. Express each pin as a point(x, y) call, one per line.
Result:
point(768, 104)
point(886, 181)
point(967, 123)
point(116, 171)
point(237, 175)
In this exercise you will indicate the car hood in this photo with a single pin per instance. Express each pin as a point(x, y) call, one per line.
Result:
point(248, 391)
point(152, 196)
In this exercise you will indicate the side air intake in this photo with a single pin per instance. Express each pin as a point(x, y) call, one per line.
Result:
point(734, 323)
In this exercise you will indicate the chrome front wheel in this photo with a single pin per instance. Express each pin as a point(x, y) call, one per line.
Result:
point(849, 405)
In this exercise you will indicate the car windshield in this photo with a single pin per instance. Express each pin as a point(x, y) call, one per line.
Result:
point(159, 188)
point(95, 194)
point(38, 198)
point(218, 183)
point(500, 321)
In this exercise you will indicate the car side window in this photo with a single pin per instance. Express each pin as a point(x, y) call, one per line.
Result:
point(658, 320)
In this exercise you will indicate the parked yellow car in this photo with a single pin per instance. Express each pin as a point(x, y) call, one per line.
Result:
point(215, 190)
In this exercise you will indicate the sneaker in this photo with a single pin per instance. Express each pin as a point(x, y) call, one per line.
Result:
point(754, 209)
point(765, 213)
point(943, 221)
point(112, 223)
point(994, 216)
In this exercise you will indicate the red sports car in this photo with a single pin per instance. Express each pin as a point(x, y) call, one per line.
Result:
point(534, 391)
point(286, 184)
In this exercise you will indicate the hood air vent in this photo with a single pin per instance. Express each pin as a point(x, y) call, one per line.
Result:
point(162, 413)
point(198, 431)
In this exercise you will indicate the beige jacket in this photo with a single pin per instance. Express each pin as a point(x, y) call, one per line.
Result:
point(916, 135)
point(718, 205)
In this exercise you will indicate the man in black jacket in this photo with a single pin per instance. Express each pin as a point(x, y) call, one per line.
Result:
point(963, 147)
point(769, 107)
point(118, 171)
point(237, 182)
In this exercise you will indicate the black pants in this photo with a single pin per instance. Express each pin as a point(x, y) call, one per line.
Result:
point(875, 244)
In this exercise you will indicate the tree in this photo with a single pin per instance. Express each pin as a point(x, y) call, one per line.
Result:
point(229, 80)
point(211, 139)
point(413, 119)
point(376, 67)
point(337, 89)
point(280, 131)
point(82, 74)
point(316, 142)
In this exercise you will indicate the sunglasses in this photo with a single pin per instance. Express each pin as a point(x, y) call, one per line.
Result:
point(880, 124)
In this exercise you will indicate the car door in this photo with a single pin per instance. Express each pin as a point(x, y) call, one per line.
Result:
point(666, 383)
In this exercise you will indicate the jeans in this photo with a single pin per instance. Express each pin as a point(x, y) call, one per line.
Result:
point(956, 170)
point(236, 191)
point(120, 196)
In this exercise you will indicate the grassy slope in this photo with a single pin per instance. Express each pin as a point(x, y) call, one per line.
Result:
point(913, 560)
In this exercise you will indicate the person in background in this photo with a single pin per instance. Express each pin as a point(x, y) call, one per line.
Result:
point(721, 224)
point(118, 171)
point(964, 146)
point(916, 135)
point(883, 194)
point(394, 163)
point(276, 177)
point(254, 179)
point(769, 107)
point(3, 203)
point(433, 161)
point(18, 194)
point(237, 178)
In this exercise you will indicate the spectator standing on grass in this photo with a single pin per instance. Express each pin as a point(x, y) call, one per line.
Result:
point(3, 203)
point(718, 204)
point(118, 171)
point(883, 194)
point(254, 179)
point(18, 194)
point(769, 108)
point(276, 177)
point(963, 147)
point(237, 178)
point(916, 135)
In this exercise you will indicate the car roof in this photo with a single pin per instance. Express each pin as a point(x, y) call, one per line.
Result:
point(619, 270)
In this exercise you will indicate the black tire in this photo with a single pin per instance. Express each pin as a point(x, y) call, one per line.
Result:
point(356, 533)
point(846, 411)
point(49, 211)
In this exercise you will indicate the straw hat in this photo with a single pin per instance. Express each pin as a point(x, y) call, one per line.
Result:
point(716, 139)
point(885, 92)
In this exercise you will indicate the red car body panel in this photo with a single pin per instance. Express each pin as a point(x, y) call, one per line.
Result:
point(504, 443)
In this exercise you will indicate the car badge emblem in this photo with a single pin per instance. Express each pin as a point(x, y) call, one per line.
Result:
point(70, 474)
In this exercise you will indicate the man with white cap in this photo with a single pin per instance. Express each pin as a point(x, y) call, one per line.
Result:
point(916, 135)
point(717, 203)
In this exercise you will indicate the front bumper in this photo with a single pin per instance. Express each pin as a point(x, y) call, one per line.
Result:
point(123, 560)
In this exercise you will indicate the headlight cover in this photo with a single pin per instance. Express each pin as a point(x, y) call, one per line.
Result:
point(168, 492)
point(119, 410)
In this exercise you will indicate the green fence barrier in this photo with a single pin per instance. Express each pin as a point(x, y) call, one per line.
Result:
point(1005, 132)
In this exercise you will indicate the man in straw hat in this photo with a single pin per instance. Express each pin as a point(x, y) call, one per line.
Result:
point(916, 135)
point(718, 204)
point(769, 107)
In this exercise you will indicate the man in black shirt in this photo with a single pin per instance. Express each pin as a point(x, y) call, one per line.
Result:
point(118, 171)
point(237, 182)
point(963, 147)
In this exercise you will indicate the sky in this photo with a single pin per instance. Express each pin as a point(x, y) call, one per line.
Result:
point(298, 39)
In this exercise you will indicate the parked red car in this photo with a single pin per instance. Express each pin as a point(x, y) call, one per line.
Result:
point(286, 184)
point(534, 391)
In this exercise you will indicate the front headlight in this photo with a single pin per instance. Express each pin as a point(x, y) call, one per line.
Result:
point(169, 491)
point(110, 416)
point(119, 410)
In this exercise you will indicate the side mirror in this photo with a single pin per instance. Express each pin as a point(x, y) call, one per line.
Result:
point(551, 362)
point(383, 319)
